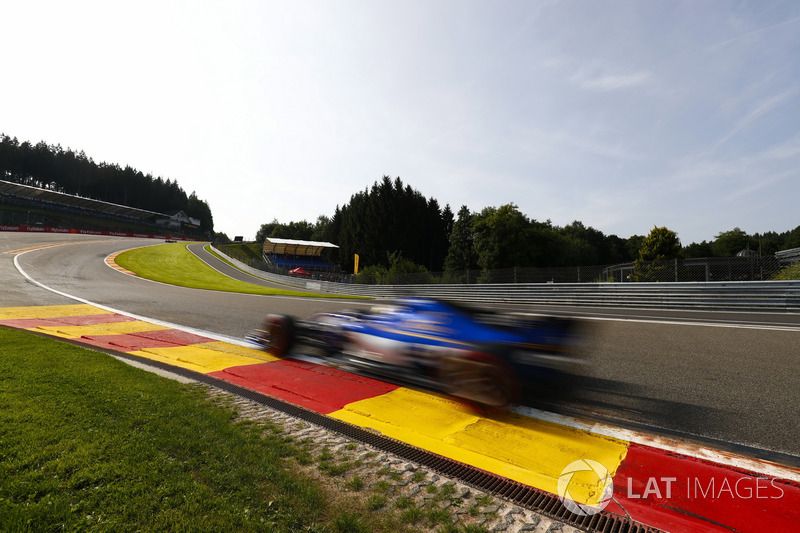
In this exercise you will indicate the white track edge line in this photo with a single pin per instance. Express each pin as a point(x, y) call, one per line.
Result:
point(195, 331)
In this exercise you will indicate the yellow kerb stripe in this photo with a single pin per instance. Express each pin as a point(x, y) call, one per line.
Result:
point(51, 311)
point(114, 328)
point(204, 358)
point(523, 449)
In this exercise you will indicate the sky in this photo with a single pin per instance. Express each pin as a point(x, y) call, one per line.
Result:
point(623, 115)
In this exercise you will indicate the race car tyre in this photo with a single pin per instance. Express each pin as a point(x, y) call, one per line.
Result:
point(480, 377)
point(277, 334)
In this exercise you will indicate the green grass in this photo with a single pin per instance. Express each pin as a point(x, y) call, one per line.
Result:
point(411, 515)
point(355, 484)
point(376, 501)
point(484, 500)
point(439, 516)
point(88, 443)
point(792, 272)
point(228, 261)
point(175, 265)
point(247, 249)
point(446, 491)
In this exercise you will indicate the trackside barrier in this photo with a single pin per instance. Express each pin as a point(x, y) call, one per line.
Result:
point(780, 296)
point(41, 229)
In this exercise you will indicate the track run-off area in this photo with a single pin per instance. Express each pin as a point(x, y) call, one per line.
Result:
point(694, 417)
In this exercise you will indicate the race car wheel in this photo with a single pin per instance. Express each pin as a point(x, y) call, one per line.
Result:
point(277, 334)
point(480, 377)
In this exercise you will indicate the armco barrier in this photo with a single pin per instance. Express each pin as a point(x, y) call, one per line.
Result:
point(773, 296)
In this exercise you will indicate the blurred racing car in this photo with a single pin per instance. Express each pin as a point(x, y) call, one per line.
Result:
point(472, 354)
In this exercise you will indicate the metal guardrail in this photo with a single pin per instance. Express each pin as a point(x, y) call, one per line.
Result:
point(774, 296)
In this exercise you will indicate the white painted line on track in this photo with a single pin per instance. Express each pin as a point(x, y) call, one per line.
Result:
point(209, 265)
point(211, 335)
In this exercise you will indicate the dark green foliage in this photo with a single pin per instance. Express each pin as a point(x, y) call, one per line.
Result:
point(391, 217)
point(321, 230)
point(198, 209)
point(589, 246)
point(400, 271)
point(396, 231)
point(660, 246)
point(502, 238)
point(461, 253)
point(695, 250)
point(52, 167)
point(730, 243)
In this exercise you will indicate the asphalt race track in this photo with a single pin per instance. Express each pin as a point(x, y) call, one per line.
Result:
point(731, 379)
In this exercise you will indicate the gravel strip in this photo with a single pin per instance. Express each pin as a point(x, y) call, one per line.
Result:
point(343, 464)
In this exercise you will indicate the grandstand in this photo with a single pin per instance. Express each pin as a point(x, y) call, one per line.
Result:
point(69, 210)
point(290, 254)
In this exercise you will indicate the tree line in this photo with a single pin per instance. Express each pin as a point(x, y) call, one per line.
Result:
point(389, 219)
point(64, 170)
point(393, 226)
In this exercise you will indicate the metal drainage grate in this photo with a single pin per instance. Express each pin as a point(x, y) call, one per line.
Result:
point(522, 495)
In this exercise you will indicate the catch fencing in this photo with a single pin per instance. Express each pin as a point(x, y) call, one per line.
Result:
point(753, 268)
point(775, 296)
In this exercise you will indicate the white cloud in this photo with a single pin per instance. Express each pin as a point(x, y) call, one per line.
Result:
point(612, 82)
point(762, 108)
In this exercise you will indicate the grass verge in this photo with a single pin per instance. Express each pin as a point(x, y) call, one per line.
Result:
point(175, 265)
point(227, 261)
point(792, 272)
point(90, 443)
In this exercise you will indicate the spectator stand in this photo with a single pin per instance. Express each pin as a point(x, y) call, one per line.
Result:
point(290, 254)
point(58, 203)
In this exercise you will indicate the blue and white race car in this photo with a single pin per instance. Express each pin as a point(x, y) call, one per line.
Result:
point(484, 357)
